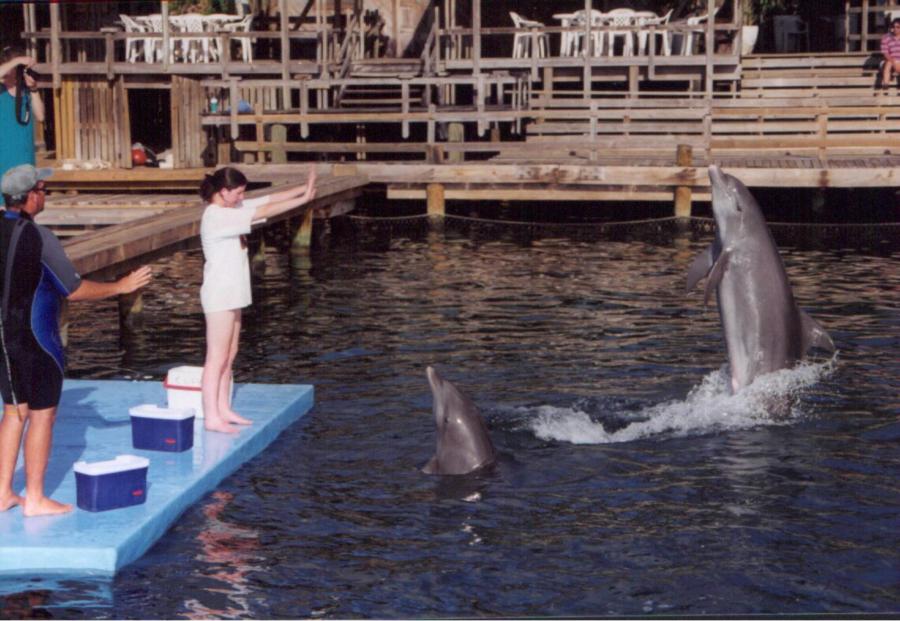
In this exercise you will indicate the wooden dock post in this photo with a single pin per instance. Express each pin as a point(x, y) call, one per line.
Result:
point(131, 311)
point(684, 158)
point(258, 258)
point(456, 132)
point(302, 241)
point(279, 140)
point(434, 193)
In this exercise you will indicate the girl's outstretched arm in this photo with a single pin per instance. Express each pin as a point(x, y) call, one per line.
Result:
point(294, 190)
point(299, 197)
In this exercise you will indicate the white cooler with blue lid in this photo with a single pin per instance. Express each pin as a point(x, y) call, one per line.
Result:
point(112, 484)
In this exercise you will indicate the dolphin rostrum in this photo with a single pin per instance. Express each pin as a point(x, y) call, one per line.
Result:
point(764, 329)
point(463, 443)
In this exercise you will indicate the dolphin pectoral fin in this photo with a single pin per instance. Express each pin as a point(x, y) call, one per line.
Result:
point(715, 276)
point(814, 335)
point(699, 268)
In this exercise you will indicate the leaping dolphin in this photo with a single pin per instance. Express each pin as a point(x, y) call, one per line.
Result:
point(764, 329)
point(463, 443)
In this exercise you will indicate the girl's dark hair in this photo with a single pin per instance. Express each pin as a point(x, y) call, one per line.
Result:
point(225, 178)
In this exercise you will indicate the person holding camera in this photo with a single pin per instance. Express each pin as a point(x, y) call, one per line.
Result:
point(20, 107)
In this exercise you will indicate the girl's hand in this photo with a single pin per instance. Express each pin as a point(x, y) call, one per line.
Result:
point(310, 189)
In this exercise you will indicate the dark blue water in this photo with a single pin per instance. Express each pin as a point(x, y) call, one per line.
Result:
point(631, 482)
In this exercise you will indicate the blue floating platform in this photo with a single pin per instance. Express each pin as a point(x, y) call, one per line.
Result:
point(93, 424)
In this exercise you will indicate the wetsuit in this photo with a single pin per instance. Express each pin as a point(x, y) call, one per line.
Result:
point(20, 273)
point(36, 355)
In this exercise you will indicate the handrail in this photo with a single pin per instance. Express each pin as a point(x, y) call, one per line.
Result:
point(346, 54)
point(428, 57)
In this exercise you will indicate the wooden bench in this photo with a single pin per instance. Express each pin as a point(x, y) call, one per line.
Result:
point(814, 126)
point(804, 75)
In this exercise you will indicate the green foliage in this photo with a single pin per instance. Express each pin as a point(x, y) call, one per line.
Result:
point(204, 7)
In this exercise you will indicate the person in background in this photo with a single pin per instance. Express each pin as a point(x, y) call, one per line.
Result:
point(17, 122)
point(36, 275)
point(226, 278)
point(890, 49)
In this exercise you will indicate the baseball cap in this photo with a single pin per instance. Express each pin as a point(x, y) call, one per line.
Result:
point(20, 180)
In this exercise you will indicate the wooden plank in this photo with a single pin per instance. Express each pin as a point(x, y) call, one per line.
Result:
point(618, 175)
point(550, 195)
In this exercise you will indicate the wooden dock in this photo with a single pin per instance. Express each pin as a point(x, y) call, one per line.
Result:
point(115, 250)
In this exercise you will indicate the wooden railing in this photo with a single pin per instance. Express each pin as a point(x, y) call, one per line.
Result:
point(597, 128)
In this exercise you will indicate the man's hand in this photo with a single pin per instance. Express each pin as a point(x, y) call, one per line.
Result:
point(135, 280)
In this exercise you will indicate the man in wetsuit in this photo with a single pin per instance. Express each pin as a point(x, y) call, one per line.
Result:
point(36, 275)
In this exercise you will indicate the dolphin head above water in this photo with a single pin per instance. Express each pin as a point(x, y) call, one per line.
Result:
point(764, 329)
point(463, 443)
point(734, 207)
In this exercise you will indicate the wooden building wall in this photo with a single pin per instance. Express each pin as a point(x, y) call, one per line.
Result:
point(92, 121)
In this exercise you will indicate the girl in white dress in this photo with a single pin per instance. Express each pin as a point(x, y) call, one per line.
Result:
point(226, 278)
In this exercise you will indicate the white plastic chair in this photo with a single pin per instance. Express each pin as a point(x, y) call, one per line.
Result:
point(568, 41)
point(599, 22)
point(153, 47)
point(572, 43)
point(688, 40)
point(243, 25)
point(192, 49)
point(619, 18)
point(134, 47)
point(213, 24)
point(645, 21)
point(523, 42)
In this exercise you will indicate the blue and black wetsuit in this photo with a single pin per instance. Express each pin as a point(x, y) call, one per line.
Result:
point(35, 351)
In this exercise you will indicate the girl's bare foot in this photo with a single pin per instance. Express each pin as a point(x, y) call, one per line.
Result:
point(44, 506)
point(9, 501)
point(233, 417)
point(219, 425)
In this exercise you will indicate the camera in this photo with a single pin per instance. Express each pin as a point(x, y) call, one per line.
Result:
point(22, 71)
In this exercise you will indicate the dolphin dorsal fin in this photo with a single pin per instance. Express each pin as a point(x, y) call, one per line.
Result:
point(715, 275)
point(814, 335)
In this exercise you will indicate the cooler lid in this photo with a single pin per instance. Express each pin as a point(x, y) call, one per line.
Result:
point(184, 378)
point(150, 410)
point(119, 464)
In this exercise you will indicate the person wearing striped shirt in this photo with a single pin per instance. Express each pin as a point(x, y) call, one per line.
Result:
point(890, 49)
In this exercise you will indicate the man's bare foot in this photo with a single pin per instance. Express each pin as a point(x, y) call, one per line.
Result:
point(44, 506)
point(233, 417)
point(10, 501)
point(218, 425)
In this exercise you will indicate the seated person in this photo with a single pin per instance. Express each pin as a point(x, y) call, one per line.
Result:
point(890, 48)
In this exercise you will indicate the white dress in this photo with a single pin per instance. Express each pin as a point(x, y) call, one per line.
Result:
point(226, 272)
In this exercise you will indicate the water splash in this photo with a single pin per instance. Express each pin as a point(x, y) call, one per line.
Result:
point(709, 407)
